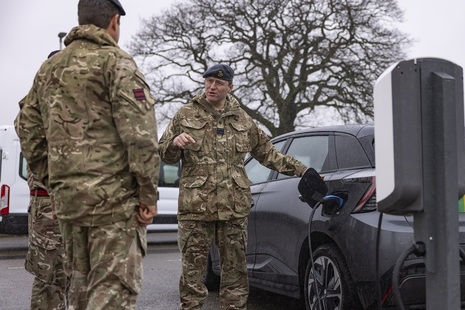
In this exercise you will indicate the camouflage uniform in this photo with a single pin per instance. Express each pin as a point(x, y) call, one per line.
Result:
point(215, 196)
point(44, 258)
point(88, 131)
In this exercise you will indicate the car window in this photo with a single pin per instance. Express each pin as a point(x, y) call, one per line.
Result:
point(258, 173)
point(312, 151)
point(22, 167)
point(349, 153)
point(169, 175)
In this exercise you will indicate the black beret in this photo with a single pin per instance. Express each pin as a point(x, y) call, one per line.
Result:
point(220, 71)
point(119, 7)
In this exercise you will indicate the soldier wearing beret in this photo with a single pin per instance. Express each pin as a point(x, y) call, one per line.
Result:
point(212, 135)
point(88, 132)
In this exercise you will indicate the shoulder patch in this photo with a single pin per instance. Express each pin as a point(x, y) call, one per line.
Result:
point(139, 94)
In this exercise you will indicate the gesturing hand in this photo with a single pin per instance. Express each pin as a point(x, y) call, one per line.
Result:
point(183, 140)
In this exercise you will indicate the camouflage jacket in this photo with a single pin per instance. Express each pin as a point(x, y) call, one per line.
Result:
point(214, 184)
point(88, 130)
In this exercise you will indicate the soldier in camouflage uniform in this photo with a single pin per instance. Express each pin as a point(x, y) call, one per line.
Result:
point(212, 135)
point(88, 131)
point(44, 258)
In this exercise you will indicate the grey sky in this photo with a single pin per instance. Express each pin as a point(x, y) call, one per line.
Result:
point(29, 32)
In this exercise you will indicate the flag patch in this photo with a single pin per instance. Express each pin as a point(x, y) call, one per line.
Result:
point(139, 94)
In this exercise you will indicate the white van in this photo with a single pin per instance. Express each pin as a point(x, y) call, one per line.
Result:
point(13, 183)
point(15, 191)
point(167, 204)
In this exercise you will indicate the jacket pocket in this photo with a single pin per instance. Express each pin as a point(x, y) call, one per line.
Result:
point(242, 196)
point(193, 194)
point(196, 129)
point(241, 137)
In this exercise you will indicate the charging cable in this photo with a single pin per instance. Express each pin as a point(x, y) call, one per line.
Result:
point(418, 249)
point(325, 199)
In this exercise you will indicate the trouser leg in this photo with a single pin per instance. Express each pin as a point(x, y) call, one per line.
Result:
point(45, 257)
point(105, 265)
point(231, 238)
point(194, 240)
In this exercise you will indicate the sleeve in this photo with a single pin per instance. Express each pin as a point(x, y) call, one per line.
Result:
point(170, 153)
point(31, 132)
point(264, 151)
point(134, 115)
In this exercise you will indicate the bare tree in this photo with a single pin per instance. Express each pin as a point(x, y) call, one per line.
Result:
point(290, 56)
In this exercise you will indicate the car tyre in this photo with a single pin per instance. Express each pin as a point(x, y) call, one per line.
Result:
point(329, 279)
point(212, 280)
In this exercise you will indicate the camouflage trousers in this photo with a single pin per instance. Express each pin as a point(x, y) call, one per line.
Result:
point(104, 264)
point(194, 240)
point(44, 257)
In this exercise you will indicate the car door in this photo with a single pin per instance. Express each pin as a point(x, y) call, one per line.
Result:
point(281, 219)
point(258, 176)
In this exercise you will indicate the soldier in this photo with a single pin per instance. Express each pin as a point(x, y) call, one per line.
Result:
point(44, 257)
point(88, 131)
point(212, 135)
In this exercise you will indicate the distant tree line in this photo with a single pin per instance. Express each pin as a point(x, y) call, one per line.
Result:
point(291, 57)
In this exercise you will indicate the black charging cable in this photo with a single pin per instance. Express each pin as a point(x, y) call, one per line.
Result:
point(326, 199)
point(462, 254)
point(312, 269)
point(418, 249)
point(378, 284)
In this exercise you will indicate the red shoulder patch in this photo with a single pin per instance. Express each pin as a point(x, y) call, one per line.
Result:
point(139, 94)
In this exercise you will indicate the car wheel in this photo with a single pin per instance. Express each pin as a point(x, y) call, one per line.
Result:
point(212, 280)
point(328, 281)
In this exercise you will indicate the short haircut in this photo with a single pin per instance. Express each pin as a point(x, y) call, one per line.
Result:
point(96, 12)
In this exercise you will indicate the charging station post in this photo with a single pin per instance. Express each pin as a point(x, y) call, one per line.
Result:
point(420, 163)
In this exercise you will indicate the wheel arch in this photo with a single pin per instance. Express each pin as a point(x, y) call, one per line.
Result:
point(318, 238)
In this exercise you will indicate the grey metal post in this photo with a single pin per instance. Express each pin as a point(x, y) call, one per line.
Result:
point(437, 226)
point(420, 102)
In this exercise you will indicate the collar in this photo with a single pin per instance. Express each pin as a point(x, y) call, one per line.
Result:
point(92, 33)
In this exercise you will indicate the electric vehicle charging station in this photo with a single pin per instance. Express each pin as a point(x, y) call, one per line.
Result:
point(420, 163)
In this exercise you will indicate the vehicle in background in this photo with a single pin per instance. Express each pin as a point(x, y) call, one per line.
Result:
point(14, 200)
point(167, 204)
point(344, 273)
point(15, 191)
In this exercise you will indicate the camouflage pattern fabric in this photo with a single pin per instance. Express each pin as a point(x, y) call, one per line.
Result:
point(195, 238)
point(88, 130)
point(214, 193)
point(44, 258)
point(214, 184)
point(104, 263)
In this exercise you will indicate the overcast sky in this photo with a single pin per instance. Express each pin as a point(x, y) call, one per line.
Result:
point(29, 31)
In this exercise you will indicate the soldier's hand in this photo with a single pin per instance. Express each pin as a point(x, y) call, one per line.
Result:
point(183, 140)
point(145, 214)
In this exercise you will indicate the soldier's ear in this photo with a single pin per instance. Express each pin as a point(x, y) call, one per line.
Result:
point(113, 27)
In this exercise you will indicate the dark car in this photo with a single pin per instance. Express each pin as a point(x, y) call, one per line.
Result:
point(343, 241)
